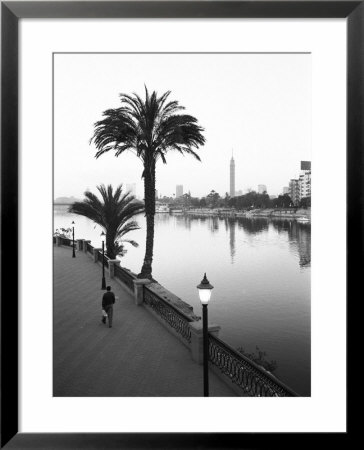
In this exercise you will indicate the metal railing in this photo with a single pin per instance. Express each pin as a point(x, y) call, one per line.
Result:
point(169, 313)
point(248, 376)
point(89, 248)
point(124, 276)
point(106, 258)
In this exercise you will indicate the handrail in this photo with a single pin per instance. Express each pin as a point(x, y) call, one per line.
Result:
point(106, 258)
point(246, 374)
point(178, 311)
point(178, 320)
point(124, 276)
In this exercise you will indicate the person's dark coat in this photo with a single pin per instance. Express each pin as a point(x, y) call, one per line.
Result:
point(108, 299)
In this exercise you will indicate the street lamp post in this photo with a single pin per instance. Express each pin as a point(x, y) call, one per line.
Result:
point(103, 283)
point(204, 292)
point(73, 240)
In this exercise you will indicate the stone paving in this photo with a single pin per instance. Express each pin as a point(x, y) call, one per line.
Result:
point(137, 357)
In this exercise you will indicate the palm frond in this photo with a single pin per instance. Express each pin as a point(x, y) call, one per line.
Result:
point(130, 241)
point(113, 211)
point(150, 127)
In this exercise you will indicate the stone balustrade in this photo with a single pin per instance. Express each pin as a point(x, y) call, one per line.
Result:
point(112, 264)
point(95, 254)
point(197, 339)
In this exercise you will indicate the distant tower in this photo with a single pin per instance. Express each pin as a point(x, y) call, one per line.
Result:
point(262, 188)
point(179, 190)
point(232, 177)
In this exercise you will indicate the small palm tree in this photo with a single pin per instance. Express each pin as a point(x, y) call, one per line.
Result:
point(113, 213)
point(150, 128)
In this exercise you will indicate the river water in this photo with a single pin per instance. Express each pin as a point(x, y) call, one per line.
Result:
point(260, 270)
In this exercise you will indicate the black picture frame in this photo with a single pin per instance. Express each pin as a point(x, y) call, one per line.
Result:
point(11, 12)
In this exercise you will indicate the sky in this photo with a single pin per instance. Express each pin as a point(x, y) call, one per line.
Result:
point(257, 106)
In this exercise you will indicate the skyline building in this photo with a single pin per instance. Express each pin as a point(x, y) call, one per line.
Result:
point(232, 177)
point(301, 187)
point(306, 165)
point(305, 179)
point(179, 190)
point(262, 188)
point(294, 191)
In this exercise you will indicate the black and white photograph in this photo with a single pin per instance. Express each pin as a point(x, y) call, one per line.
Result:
point(173, 275)
point(182, 224)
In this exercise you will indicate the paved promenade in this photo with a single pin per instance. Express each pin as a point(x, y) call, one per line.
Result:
point(136, 357)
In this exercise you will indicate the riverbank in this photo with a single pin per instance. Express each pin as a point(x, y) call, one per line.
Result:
point(284, 213)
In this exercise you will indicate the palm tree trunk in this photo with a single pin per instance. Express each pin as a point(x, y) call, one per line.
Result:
point(110, 247)
point(149, 200)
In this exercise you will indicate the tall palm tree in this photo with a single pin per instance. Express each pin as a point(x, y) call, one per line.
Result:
point(150, 128)
point(113, 213)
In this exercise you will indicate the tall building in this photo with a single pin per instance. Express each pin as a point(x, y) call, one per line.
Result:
point(294, 191)
point(300, 188)
point(262, 188)
point(305, 179)
point(179, 190)
point(131, 188)
point(306, 165)
point(232, 177)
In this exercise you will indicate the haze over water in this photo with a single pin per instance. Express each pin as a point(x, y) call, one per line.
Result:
point(260, 270)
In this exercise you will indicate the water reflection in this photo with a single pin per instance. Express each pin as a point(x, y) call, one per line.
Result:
point(162, 218)
point(299, 235)
point(183, 221)
point(253, 225)
point(232, 225)
point(214, 224)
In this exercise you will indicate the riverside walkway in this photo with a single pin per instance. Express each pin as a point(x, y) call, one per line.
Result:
point(137, 357)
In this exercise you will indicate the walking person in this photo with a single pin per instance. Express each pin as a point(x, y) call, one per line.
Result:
point(108, 301)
